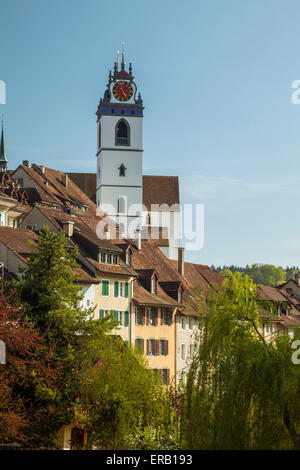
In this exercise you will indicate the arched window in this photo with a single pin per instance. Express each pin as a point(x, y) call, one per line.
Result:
point(122, 132)
point(121, 205)
point(99, 135)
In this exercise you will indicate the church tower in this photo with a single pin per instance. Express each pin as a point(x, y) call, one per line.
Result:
point(120, 150)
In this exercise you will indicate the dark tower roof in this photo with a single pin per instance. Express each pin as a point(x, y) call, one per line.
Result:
point(3, 159)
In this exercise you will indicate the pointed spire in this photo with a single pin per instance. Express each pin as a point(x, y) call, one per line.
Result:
point(118, 54)
point(3, 159)
point(123, 56)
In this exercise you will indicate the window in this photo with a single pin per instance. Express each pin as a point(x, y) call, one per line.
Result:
point(183, 352)
point(155, 371)
point(105, 288)
point(153, 285)
point(122, 132)
point(121, 205)
point(183, 323)
point(165, 376)
point(122, 170)
point(112, 111)
point(166, 316)
point(102, 257)
point(31, 227)
point(77, 439)
point(121, 289)
point(99, 136)
point(132, 112)
point(139, 316)
point(126, 318)
point(140, 345)
point(163, 347)
point(151, 347)
point(116, 315)
point(128, 257)
point(191, 351)
point(148, 222)
point(115, 259)
point(183, 377)
point(153, 316)
point(122, 111)
point(108, 258)
point(179, 296)
point(102, 314)
point(190, 323)
point(99, 171)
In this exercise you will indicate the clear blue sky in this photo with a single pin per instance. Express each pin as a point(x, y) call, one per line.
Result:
point(216, 79)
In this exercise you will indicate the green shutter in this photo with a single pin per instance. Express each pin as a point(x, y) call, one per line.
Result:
point(104, 287)
point(101, 313)
point(116, 315)
point(126, 318)
point(116, 289)
point(126, 289)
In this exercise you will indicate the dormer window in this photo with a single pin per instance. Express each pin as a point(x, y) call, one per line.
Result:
point(153, 285)
point(122, 132)
point(115, 259)
point(108, 258)
point(102, 257)
point(179, 296)
point(128, 258)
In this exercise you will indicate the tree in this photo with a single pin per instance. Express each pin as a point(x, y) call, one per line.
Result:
point(104, 386)
point(131, 404)
point(50, 297)
point(28, 388)
point(266, 274)
point(241, 391)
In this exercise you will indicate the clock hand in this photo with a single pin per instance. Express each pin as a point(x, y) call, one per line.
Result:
point(122, 88)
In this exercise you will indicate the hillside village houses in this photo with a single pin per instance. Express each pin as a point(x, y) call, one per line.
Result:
point(142, 280)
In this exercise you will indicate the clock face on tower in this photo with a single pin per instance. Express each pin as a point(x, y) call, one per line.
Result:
point(122, 91)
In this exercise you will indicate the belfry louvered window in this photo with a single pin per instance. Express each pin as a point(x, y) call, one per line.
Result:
point(122, 132)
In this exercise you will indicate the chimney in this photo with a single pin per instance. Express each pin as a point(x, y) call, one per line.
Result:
point(138, 239)
point(43, 169)
point(68, 227)
point(65, 179)
point(25, 163)
point(106, 232)
point(181, 261)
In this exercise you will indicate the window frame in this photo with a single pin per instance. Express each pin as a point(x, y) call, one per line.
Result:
point(126, 142)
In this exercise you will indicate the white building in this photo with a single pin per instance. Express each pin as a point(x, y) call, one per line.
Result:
point(146, 203)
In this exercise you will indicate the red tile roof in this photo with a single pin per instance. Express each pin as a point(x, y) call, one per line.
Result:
point(160, 190)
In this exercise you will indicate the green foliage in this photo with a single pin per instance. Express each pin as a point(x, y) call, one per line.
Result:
point(131, 403)
point(266, 274)
point(241, 391)
point(101, 385)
